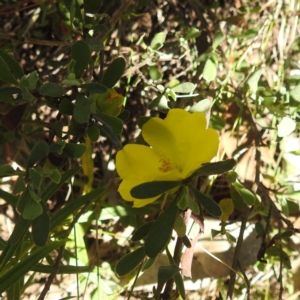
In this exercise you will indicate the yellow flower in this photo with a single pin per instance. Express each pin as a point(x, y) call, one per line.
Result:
point(179, 145)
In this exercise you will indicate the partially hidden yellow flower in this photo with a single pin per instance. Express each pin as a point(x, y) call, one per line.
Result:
point(179, 145)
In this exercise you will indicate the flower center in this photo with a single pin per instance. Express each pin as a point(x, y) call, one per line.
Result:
point(165, 165)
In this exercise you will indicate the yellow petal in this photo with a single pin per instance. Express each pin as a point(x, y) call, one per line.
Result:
point(125, 188)
point(138, 160)
point(137, 164)
point(183, 138)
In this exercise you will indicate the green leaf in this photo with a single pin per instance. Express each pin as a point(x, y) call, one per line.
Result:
point(24, 266)
point(180, 285)
point(192, 33)
point(114, 72)
point(26, 95)
point(81, 53)
point(156, 101)
point(9, 198)
point(180, 226)
point(74, 150)
point(150, 262)
point(208, 204)
point(41, 228)
point(142, 120)
point(230, 237)
point(29, 81)
point(248, 197)
point(66, 107)
point(94, 88)
point(203, 106)
point(8, 170)
point(39, 151)
point(32, 209)
point(155, 74)
point(219, 167)
point(232, 176)
point(23, 200)
point(53, 187)
point(153, 189)
point(236, 198)
point(214, 233)
point(72, 206)
point(52, 89)
point(210, 69)
point(161, 231)
point(218, 39)
point(71, 80)
point(254, 79)
point(274, 251)
point(19, 231)
point(13, 117)
point(158, 41)
point(55, 176)
point(13, 65)
point(164, 274)
point(185, 88)
point(295, 93)
point(5, 74)
point(35, 178)
point(286, 127)
point(130, 261)
point(82, 109)
point(40, 268)
point(9, 90)
point(19, 186)
point(186, 241)
point(113, 122)
point(142, 232)
point(287, 234)
point(93, 133)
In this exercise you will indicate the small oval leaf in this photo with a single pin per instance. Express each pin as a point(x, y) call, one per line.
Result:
point(141, 232)
point(236, 198)
point(202, 105)
point(94, 87)
point(184, 88)
point(153, 189)
point(8, 170)
point(219, 167)
point(210, 70)
point(161, 231)
point(82, 109)
point(295, 93)
point(130, 261)
point(52, 89)
point(164, 274)
point(247, 196)
point(5, 74)
point(286, 127)
point(113, 122)
point(81, 53)
point(41, 228)
point(32, 210)
point(74, 150)
point(114, 72)
point(39, 151)
point(158, 41)
point(208, 204)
